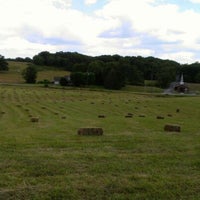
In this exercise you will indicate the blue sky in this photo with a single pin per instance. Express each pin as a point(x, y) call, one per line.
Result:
point(166, 29)
point(88, 8)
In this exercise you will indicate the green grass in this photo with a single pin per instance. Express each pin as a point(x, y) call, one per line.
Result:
point(143, 89)
point(134, 159)
point(195, 87)
point(14, 73)
point(16, 68)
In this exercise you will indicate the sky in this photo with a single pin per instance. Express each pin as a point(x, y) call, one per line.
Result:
point(166, 29)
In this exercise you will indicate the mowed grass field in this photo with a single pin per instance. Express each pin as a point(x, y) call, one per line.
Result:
point(134, 159)
point(16, 68)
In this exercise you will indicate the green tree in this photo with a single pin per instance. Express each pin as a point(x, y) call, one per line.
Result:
point(111, 80)
point(30, 74)
point(134, 76)
point(80, 67)
point(3, 64)
point(63, 81)
point(197, 77)
point(166, 75)
point(96, 67)
point(78, 78)
point(114, 76)
point(90, 78)
point(190, 72)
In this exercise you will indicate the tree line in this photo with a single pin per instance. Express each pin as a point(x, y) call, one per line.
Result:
point(115, 71)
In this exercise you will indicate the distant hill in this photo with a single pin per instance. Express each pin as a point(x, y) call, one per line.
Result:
point(16, 68)
point(49, 72)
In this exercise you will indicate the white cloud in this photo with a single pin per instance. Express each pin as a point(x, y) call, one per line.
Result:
point(181, 56)
point(62, 3)
point(195, 1)
point(22, 47)
point(166, 22)
point(126, 27)
point(89, 2)
point(30, 20)
point(119, 46)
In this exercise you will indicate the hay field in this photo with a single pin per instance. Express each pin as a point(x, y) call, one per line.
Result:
point(16, 68)
point(134, 159)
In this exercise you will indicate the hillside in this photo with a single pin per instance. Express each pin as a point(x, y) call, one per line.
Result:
point(49, 72)
point(15, 69)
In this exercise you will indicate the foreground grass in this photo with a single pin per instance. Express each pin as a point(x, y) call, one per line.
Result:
point(134, 159)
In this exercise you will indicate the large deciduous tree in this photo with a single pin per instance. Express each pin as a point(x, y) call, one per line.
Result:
point(97, 67)
point(78, 78)
point(3, 64)
point(114, 76)
point(30, 74)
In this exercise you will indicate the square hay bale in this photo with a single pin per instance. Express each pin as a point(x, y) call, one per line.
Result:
point(34, 119)
point(160, 117)
point(129, 115)
point(101, 116)
point(177, 110)
point(90, 131)
point(172, 128)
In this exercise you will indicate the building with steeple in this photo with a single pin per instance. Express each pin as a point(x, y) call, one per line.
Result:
point(180, 86)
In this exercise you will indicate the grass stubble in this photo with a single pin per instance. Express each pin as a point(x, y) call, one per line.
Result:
point(134, 159)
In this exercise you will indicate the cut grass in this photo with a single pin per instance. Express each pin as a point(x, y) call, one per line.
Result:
point(50, 74)
point(134, 159)
point(16, 68)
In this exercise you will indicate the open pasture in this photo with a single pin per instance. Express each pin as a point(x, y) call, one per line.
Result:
point(134, 159)
point(16, 68)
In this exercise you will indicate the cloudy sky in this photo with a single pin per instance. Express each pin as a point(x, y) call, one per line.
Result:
point(167, 29)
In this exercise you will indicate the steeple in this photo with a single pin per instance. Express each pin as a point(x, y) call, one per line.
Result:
point(182, 81)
